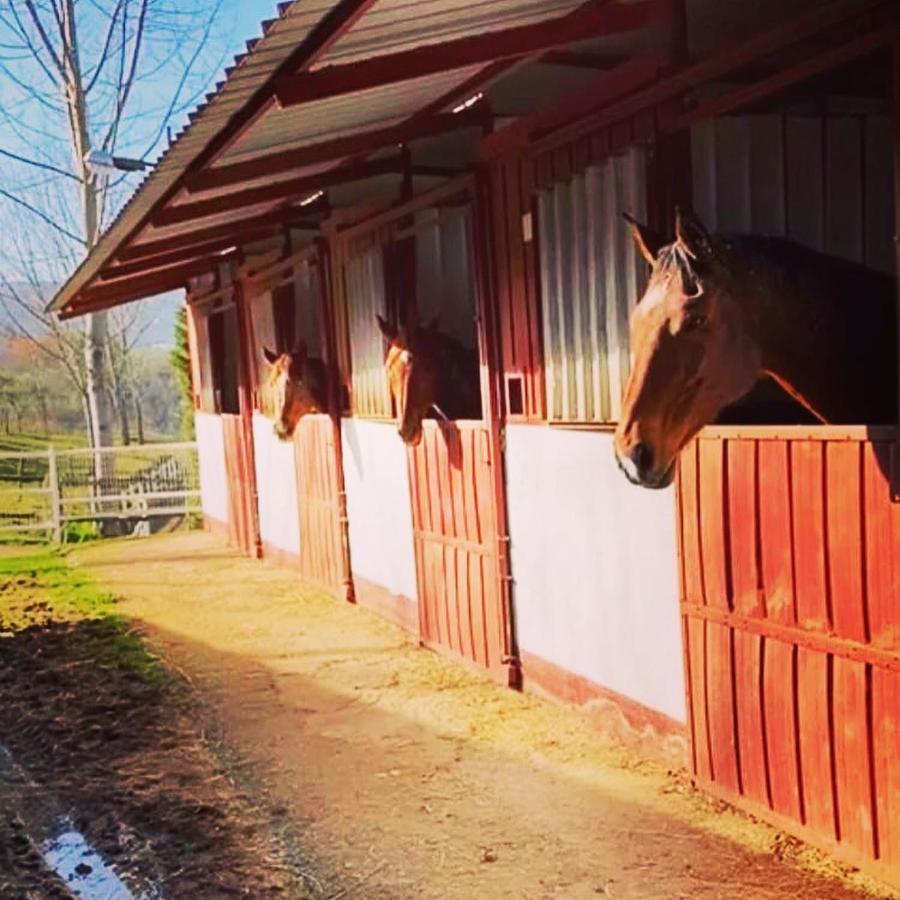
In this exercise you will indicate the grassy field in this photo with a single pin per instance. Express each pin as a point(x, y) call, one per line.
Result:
point(39, 586)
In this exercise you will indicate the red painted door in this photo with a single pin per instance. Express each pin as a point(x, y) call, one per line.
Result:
point(790, 587)
point(239, 472)
point(457, 544)
point(322, 558)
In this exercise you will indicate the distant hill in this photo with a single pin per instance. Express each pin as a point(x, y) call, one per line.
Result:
point(159, 312)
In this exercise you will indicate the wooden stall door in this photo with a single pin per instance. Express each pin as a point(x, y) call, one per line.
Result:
point(318, 489)
point(239, 472)
point(456, 544)
point(790, 587)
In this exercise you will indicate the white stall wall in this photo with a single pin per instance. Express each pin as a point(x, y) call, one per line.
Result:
point(211, 457)
point(378, 505)
point(594, 563)
point(276, 485)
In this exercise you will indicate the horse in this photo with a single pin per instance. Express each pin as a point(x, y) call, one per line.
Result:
point(429, 370)
point(720, 312)
point(294, 385)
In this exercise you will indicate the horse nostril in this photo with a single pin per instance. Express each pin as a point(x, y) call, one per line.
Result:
point(642, 457)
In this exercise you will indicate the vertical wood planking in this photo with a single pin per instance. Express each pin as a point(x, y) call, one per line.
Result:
point(808, 733)
point(851, 753)
point(690, 518)
point(748, 698)
point(882, 542)
point(813, 708)
point(808, 509)
point(720, 706)
point(713, 520)
point(781, 745)
point(775, 530)
point(845, 538)
point(743, 548)
point(886, 756)
point(699, 681)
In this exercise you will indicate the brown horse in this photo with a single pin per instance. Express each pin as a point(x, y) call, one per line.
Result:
point(429, 370)
point(293, 387)
point(721, 312)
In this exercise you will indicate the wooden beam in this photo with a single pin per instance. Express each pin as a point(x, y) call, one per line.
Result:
point(541, 131)
point(183, 254)
point(288, 190)
point(230, 232)
point(339, 148)
point(598, 18)
point(581, 60)
point(843, 52)
point(156, 281)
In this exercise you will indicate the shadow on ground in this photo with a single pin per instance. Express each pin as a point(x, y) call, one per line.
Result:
point(120, 746)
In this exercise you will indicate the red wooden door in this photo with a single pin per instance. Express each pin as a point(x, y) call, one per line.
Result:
point(239, 472)
point(457, 544)
point(322, 558)
point(790, 585)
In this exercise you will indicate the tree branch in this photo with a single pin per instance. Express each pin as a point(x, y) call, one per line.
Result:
point(45, 38)
point(125, 87)
point(101, 60)
point(43, 216)
point(37, 164)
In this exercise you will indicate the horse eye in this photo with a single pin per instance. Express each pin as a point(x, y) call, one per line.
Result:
point(693, 321)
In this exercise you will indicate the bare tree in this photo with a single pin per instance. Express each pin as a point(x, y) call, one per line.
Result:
point(77, 76)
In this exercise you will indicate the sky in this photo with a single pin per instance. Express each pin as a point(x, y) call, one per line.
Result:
point(39, 208)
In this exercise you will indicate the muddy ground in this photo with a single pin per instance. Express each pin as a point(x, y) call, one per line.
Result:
point(403, 772)
point(96, 730)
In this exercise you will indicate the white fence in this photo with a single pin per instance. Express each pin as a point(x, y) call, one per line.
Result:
point(41, 492)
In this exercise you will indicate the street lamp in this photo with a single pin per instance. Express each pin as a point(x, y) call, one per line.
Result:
point(100, 161)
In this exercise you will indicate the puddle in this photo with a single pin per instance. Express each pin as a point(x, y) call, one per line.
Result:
point(64, 849)
point(82, 868)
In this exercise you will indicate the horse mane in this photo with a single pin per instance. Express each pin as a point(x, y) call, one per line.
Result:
point(852, 311)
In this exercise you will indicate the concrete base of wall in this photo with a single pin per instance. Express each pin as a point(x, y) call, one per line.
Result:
point(646, 732)
point(395, 608)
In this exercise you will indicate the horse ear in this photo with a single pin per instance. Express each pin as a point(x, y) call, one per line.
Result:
point(691, 234)
point(270, 356)
point(647, 241)
point(301, 352)
point(387, 329)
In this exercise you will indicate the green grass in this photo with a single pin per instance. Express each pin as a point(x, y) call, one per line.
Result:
point(30, 443)
point(70, 596)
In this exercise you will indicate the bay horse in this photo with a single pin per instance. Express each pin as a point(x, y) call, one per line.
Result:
point(721, 312)
point(429, 370)
point(294, 385)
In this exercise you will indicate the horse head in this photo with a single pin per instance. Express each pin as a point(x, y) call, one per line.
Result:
point(294, 386)
point(692, 350)
point(412, 375)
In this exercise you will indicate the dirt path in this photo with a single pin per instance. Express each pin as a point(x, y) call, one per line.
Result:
point(108, 773)
point(417, 778)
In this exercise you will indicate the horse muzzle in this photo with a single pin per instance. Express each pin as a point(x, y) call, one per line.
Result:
point(640, 468)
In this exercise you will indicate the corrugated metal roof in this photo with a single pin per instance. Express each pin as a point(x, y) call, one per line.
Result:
point(388, 27)
point(395, 25)
point(336, 117)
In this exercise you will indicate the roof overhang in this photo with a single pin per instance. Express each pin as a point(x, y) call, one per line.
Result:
point(349, 95)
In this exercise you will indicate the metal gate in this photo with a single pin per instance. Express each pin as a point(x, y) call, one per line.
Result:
point(790, 556)
point(239, 472)
point(322, 558)
point(457, 544)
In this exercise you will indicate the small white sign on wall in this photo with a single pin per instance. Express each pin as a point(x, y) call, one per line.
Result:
point(527, 230)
